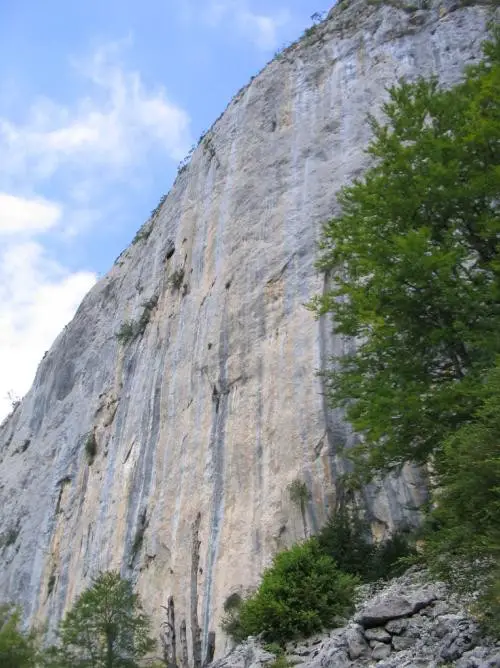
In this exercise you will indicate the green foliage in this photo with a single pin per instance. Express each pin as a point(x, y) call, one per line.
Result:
point(414, 261)
point(144, 232)
point(106, 628)
point(280, 662)
point(464, 545)
point(273, 648)
point(232, 602)
point(300, 495)
point(157, 208)
point(177, 278)
point(183, 165)
point(346, 538)
point(301, 593)
point(414, 258)
point(392, 557)
point(130, 330)
point(9, 537)
point(17, 650)
point(148, 307)
point(90, 447)
point(126, 332)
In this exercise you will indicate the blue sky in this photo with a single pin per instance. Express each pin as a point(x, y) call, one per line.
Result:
point(99, 101)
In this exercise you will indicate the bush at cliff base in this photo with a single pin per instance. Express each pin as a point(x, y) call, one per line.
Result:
point(347, 538)
point(17, 649)
point(463, 544)
point(300, 594)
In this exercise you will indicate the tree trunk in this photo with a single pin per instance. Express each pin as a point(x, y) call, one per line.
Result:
point(109, 650)
point(168, 638)
point(304, 521)
point(195, 562)
point(184, 645)
point(210, 649)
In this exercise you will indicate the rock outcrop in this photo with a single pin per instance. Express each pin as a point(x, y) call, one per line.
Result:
point(418, 625)
point(182, 397)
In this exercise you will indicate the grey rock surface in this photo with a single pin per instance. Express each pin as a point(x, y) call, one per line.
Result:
point(391, 604)
point(356, 642)
point(247, 655)
point(208, 402)
point(378, 634)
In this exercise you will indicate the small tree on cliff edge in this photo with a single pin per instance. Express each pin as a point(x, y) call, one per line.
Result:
point(106, 628)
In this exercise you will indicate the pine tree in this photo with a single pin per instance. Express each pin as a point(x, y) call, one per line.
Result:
point(106, 628)
point(17, 649)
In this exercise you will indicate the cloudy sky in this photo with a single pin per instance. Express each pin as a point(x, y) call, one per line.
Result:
point(99, 101)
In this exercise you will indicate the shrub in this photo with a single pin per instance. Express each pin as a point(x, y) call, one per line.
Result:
point(346, 538)
point(126, 332)
point(148, 306)
point(300, 594)
point(463, 541)
point(143, 233)
point(232, 602)
point(177, 278)
point(280, 662)
point(90, 447)
point(392, 557)
point(9, 537)
point(157, 208)
point(17, 649)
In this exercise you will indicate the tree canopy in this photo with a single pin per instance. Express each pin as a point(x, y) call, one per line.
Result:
point(414, 264)
point(413, 260)
point(106, 628)
point(17, 649)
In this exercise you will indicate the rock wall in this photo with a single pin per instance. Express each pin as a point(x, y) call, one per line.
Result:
point(207, 402)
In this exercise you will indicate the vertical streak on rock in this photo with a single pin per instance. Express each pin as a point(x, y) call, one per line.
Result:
point(195, 562)
point(184, 645)
point(143, 475)
point(220, 398)
point(338, 432)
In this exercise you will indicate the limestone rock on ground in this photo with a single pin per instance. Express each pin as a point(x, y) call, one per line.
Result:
point(435, 631)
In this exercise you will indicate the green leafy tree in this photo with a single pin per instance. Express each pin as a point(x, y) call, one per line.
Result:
point(17, 649)
point(415, 268)
point(301, 593)
point(106, 628)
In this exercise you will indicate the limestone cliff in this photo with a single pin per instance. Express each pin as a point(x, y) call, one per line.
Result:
point(206, 406)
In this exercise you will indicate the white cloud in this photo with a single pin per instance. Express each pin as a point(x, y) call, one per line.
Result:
point(259, 28)
point(21, 214)
point(116, 124)
point(37, 298)
point(81, 150)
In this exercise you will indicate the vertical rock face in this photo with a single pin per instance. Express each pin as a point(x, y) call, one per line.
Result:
point(206, 407)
